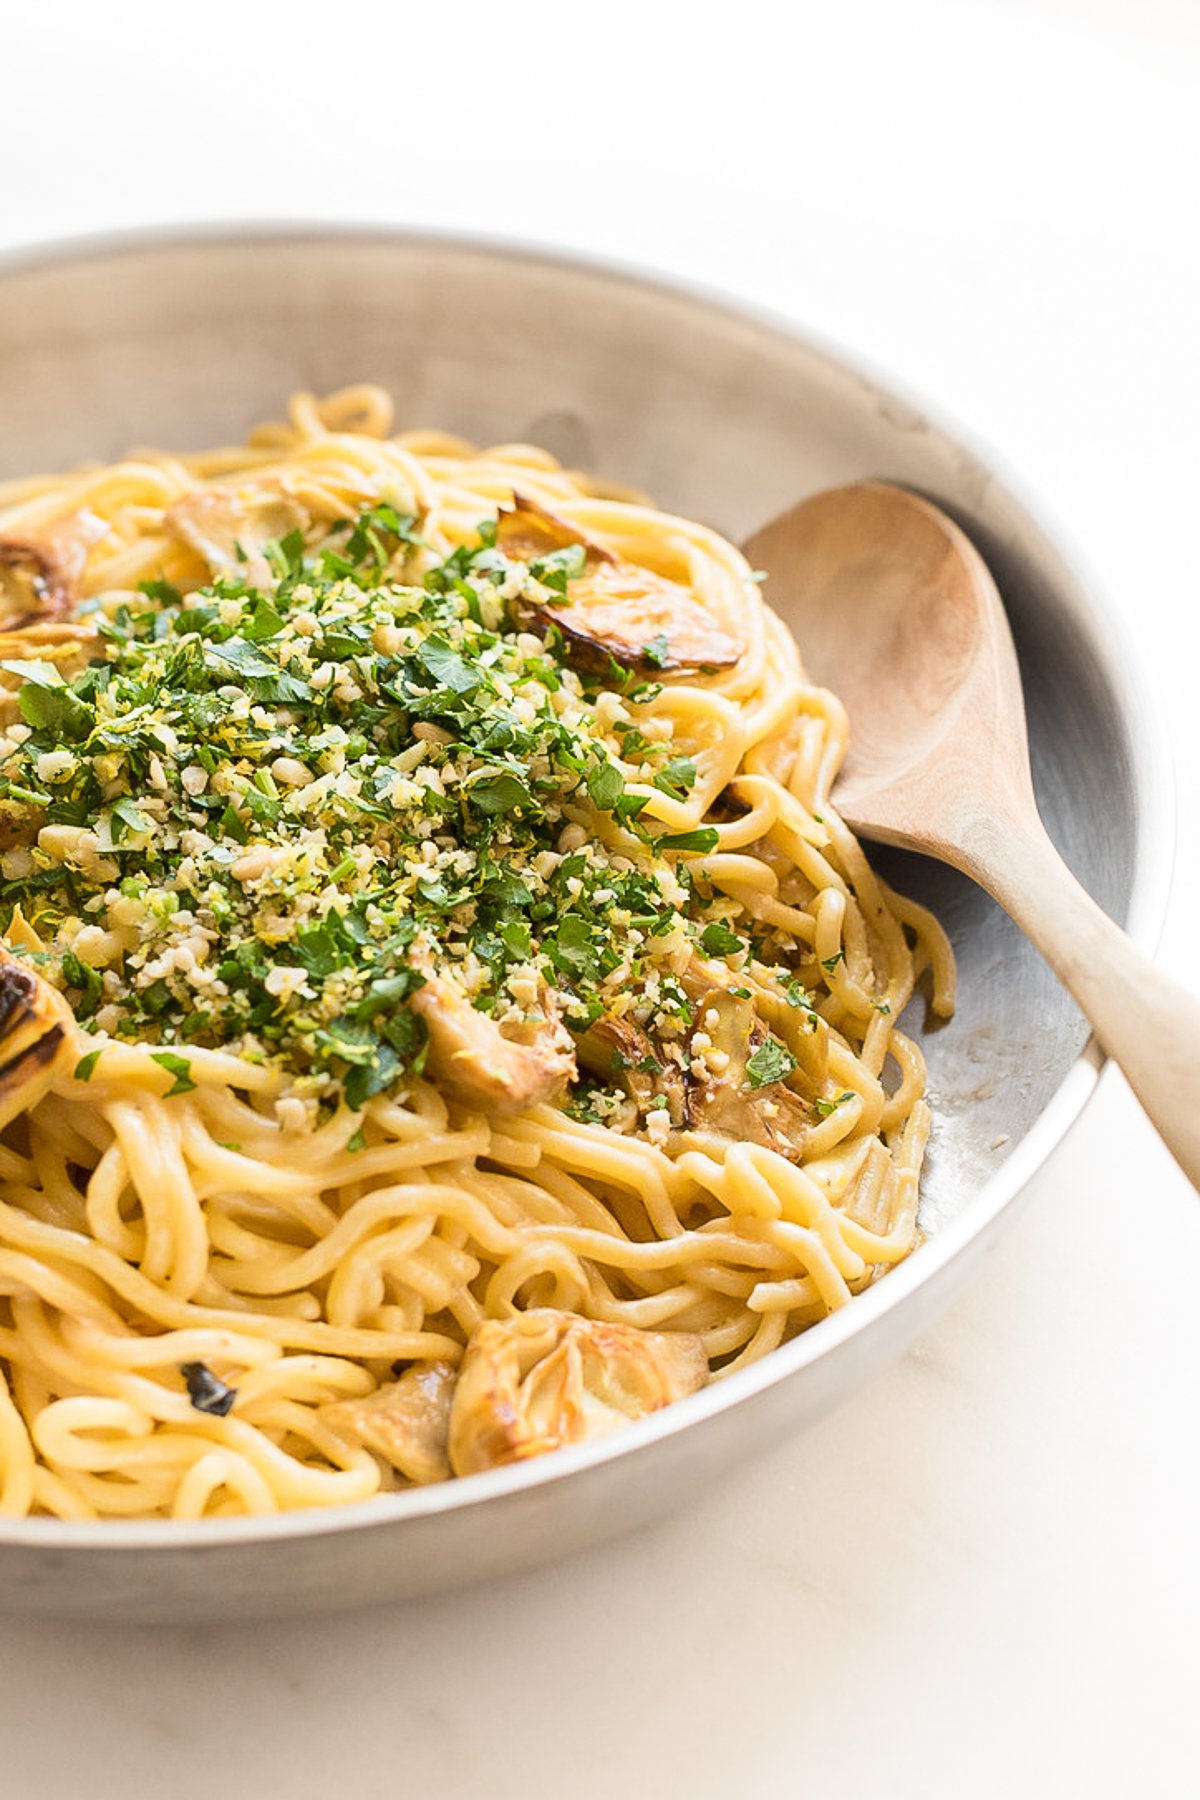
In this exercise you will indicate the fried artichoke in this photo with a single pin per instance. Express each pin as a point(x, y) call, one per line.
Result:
point(545, 1379)
point(37, 1033)
point(406, 1422)
point(495, 1069)
point(616, 609)
point(40, 571)
point(727, 1103)
point(227, 526)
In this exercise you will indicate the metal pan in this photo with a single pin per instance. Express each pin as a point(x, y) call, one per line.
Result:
point(184, 338)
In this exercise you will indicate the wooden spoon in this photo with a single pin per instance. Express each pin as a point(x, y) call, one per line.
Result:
point(896, 612)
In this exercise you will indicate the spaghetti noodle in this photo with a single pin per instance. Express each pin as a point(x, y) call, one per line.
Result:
point(442, 1015)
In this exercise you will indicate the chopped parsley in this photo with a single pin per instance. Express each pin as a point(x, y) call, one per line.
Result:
point(676, 778)
point(260, 812)
point(718, 940)
point(823, 1108)
point(706, 837)
point(206, 1392)
point(771, 1062)
point(179, 1068)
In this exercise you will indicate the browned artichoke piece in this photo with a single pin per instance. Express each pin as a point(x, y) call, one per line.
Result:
point(617, 609)
point(725, 1101)
point(620, 1052)
point(809, 1045)
point(31, 585)
point(546, 1379)
point(40, 571)
point(37, 1032)
point(407, 1422)
point(228, 525)
point(495, 1069)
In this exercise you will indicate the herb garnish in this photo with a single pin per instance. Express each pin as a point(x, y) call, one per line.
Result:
point(277, 800)
point(205, 1391)
point(771, 1062)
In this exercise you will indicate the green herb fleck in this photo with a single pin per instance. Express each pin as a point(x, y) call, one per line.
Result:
point(706, 837)
point(179, 1067)
point(823, 1108)
point(718, 940)
point(771, 1062)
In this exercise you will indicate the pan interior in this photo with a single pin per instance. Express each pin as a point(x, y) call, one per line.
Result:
point(189, 343)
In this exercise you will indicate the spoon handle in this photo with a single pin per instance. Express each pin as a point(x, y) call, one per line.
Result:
point(1148, 1023)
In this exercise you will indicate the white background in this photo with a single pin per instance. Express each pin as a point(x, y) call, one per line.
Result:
point(981, 1577)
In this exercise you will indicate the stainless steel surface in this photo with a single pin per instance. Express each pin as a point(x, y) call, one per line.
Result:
point(187, 338)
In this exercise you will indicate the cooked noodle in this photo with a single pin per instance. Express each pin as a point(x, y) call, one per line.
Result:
point(303, 1252)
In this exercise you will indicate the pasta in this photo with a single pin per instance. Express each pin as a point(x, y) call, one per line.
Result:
point(442, 1015)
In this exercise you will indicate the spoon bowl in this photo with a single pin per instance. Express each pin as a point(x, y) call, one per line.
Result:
point(899, 616)
point(896, 611)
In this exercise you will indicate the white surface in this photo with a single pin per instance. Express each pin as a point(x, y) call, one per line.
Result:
point(980, 1578)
